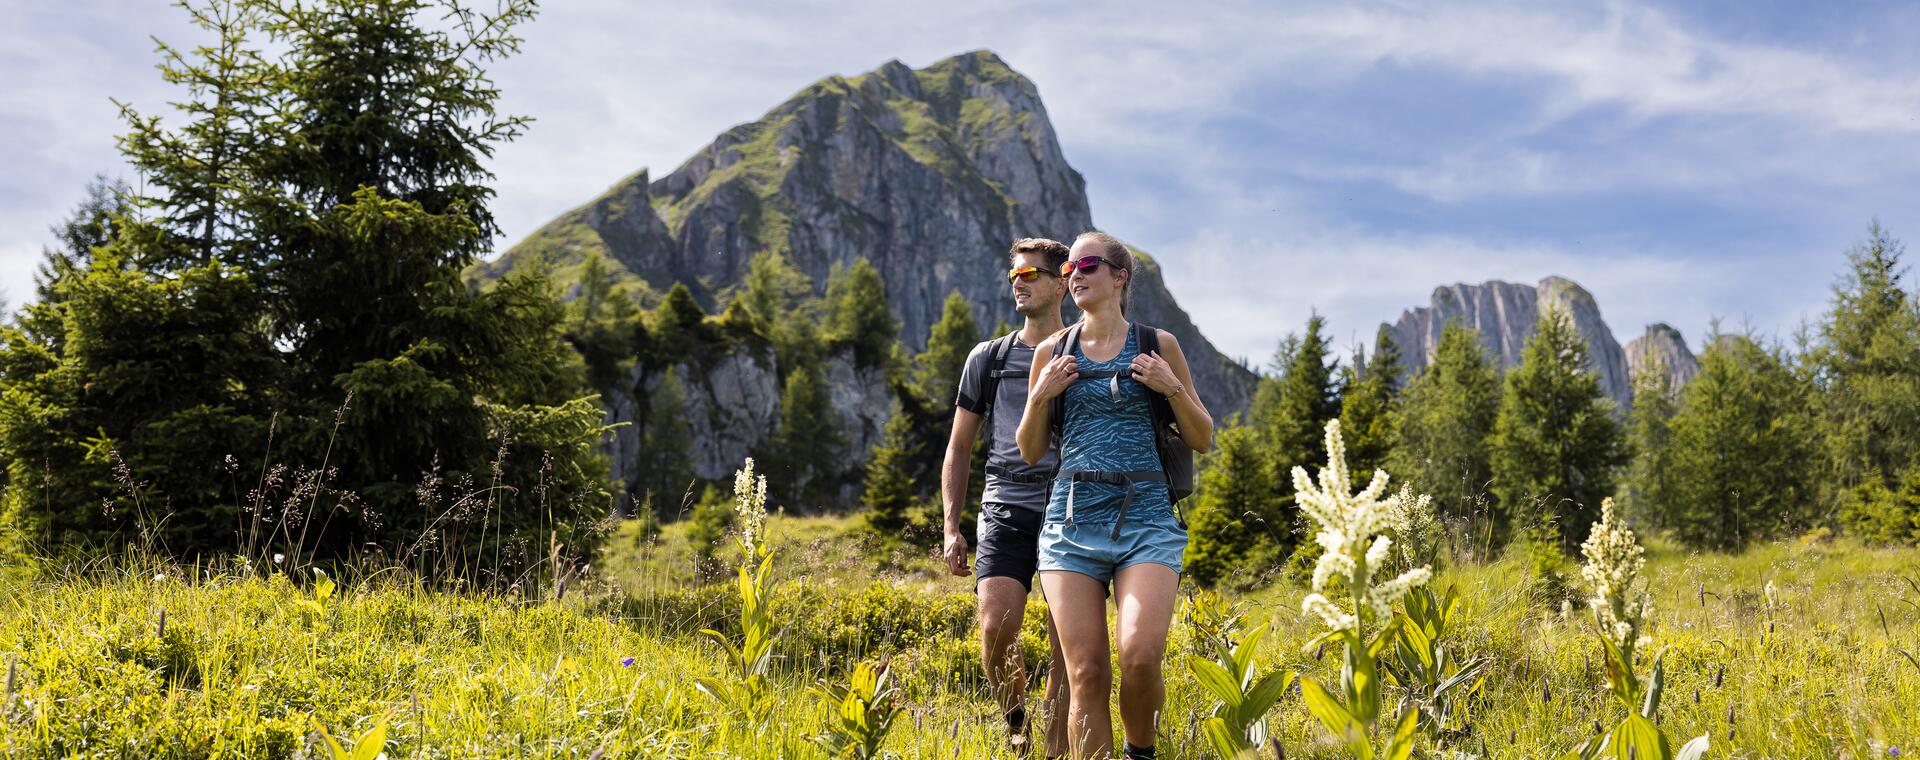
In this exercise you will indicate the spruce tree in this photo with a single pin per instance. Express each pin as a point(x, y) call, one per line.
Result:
point(665, 459)
point(1293, 406)
point(675, 327)
point(1648, 489)
point(93, 224)
point(1446, 418)
point(806, 443)
point(857, 314)
point(1290, 411)
point(889, 487)
point(1866, 362)
point(1740, 458)
point(1232, 510)
point(1555, 443)
point(1367, 409)
point(779, 296)
point(936, 371)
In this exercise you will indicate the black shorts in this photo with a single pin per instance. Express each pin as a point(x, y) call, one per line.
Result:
point(1007, 544)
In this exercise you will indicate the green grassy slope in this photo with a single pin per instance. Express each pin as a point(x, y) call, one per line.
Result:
point(248, 664)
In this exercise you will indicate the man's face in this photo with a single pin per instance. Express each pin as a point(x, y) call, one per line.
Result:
point(1041, 295)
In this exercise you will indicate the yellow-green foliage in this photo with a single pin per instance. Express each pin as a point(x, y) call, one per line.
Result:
point(243, 663)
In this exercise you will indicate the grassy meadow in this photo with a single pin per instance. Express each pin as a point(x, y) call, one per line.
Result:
point(131, 659)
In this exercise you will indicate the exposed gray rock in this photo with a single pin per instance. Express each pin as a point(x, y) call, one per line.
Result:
point(1504, 314)
point(733, 406)
point(1662, 343)
point(733, 403)
point(862, 401)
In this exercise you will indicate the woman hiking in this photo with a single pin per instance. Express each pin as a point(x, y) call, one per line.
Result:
point(1110, 517)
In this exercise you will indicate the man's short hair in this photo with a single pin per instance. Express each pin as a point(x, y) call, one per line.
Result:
point(1054, 251)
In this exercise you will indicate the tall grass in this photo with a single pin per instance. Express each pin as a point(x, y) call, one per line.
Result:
point(245, 667)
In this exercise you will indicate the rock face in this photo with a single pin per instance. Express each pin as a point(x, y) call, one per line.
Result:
point(733, 402)
point(1664, 344)
point(930, 174)
point(1504, 313)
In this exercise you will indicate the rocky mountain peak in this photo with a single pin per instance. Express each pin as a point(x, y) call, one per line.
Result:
point(1504, 314)
point(1663, 344)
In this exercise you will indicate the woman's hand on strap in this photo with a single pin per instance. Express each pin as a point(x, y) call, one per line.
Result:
point(1055, 377)
point(1154, 372)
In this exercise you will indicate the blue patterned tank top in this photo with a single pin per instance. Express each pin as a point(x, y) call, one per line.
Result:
point(1098, 433)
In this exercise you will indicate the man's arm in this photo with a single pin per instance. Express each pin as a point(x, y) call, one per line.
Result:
point(955, 469)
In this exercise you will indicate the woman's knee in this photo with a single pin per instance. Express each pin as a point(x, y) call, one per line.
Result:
point(1138, 665)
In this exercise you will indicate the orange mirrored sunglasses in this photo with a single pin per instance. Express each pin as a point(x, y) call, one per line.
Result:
point(1027, 274)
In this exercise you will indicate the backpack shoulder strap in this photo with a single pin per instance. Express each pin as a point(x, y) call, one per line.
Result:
point(1069, 340)
point(997, 351)
point(1148, 338)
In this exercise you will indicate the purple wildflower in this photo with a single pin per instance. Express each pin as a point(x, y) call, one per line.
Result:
point(628, 663)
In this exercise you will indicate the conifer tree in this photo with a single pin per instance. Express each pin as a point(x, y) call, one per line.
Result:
point(675, 327)
point(1292, 407)
point(857, 314)
point(1866, 361)
point(1446, 418)
point(1740, 457)
point(1232, 514)
point(1367, 409)
point(93, 224)
point(936, 371)
point(1650, 479)
point(298, 241)
point(779, 296)
point(806, 443)
point(889, 487)
point(665, 460)
point(1555, 442)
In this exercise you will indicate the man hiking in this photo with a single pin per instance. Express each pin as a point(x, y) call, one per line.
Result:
point(1015, 499)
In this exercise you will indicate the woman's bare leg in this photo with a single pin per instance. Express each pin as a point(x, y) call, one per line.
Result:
point(1144, 595)
point(1079, 609)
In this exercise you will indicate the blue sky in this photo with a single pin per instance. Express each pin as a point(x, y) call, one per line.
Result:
point(1683, 162)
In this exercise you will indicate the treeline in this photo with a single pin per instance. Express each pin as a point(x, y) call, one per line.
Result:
point(1768, 440)
point(634, 351)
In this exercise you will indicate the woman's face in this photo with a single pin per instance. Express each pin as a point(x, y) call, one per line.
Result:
point(1092, 284)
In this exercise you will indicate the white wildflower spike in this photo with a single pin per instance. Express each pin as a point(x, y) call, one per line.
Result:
point(1614, 561)
point(750, 503)
point(1349, 531)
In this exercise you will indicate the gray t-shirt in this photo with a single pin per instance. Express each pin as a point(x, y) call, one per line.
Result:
point(1003, 451)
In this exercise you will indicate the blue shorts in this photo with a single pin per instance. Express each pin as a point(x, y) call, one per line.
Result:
point(1090, 549)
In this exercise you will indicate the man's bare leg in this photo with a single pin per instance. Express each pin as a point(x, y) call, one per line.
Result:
point(1002, 609)
point(1054, 705)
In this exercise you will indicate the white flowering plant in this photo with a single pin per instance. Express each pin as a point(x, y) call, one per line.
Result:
point(1353, 596)
point(1620, 605)
point(747, 691)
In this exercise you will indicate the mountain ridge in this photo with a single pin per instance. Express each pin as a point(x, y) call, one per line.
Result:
point(929, 173)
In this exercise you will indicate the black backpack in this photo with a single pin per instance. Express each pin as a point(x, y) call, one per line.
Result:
point(997, 352)
point(1176, 457)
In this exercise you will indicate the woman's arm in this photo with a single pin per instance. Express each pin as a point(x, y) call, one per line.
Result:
point(1045, 381)
point(1166, 372)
